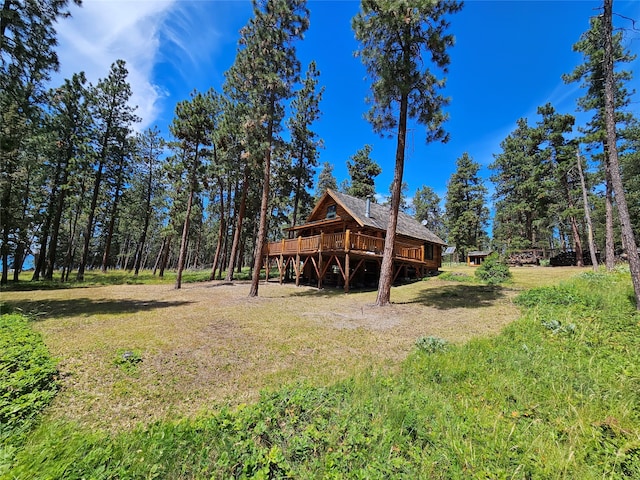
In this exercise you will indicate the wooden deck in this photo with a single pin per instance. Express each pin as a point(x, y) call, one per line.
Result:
point(348, 251)
point(342, 242)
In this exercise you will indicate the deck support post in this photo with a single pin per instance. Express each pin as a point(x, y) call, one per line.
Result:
point(281, 267)
point(346, 270)
point(320, 260)
point(395, 276)
point(296, 267)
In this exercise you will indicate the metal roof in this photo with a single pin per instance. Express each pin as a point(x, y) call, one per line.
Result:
point(379, 217)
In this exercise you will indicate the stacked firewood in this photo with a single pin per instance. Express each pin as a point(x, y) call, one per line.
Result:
point(568, 259)
point(563, 259)
point(527, 257)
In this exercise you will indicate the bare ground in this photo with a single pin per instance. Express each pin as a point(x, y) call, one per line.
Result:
point(208, 344)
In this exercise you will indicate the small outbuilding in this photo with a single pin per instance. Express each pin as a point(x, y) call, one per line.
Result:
point(475, 259)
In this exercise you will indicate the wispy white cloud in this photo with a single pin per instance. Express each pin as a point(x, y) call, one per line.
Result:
point(191, 36)
point(103, 31)
point(168, 45)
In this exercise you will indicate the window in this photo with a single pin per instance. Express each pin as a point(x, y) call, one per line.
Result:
point(331, 211)
point(428, 251)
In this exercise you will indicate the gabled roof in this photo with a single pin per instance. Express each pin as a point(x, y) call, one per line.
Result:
point(379, 217)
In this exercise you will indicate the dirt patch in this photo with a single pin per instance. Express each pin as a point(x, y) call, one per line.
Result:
point(363, 316)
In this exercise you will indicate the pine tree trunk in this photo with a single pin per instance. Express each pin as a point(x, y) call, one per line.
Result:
point(296, 197)
point(165, 257)
point(221, 230)
point(6, 221)
point(159, 257)
point(89, 231)
point(55, 230)
point(223, 257)
point(71, 248)
point(264, 209)
point(610, 246)
point(145, 228)
point(44, 261)
point(386, 269)
point(110, 229)
point(196, 252)
point(18, 259)
point(41, 262)
point(587, 215)
point(224, 264)
point(183, 242)
point(238, 230)
point(240, 261)
point(609, 109)
point(575, 232)
point(577, 242)
point(62, 170)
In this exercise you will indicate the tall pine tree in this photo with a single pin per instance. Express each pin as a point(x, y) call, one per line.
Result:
point(263, 74)
point(628, 240)
point(397, 37)
point(113, 116)
point(148, 180)
point(563, 182)
point(520, 178)
point(193, 125)
point(591, 75)
point(326, 180)
point(426, 208)
point(27, 51)
point(304, 142)
point(363, 171)
point(466, 212)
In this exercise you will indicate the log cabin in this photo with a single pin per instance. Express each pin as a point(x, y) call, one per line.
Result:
point(342, 242)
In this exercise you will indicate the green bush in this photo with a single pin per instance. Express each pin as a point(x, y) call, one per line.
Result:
point(27, 374)
point(493, 270)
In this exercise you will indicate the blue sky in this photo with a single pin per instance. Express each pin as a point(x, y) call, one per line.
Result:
point(508, 60)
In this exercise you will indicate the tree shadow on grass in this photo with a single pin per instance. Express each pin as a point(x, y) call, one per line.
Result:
point(45, 309)
point(459, 296)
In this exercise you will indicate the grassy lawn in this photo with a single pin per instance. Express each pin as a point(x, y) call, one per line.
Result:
point(508, 383)
point(208, 344)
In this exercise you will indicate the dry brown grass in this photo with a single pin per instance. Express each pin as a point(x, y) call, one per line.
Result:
point(209, 344)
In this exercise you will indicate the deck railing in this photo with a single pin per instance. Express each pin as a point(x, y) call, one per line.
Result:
point(342, 241)
point(366, 243)
point(308, 244)
point(332, 241)
point(409, 251)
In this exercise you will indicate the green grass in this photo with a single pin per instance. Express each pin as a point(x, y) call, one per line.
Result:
point(540, 400)
point(27, 376)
